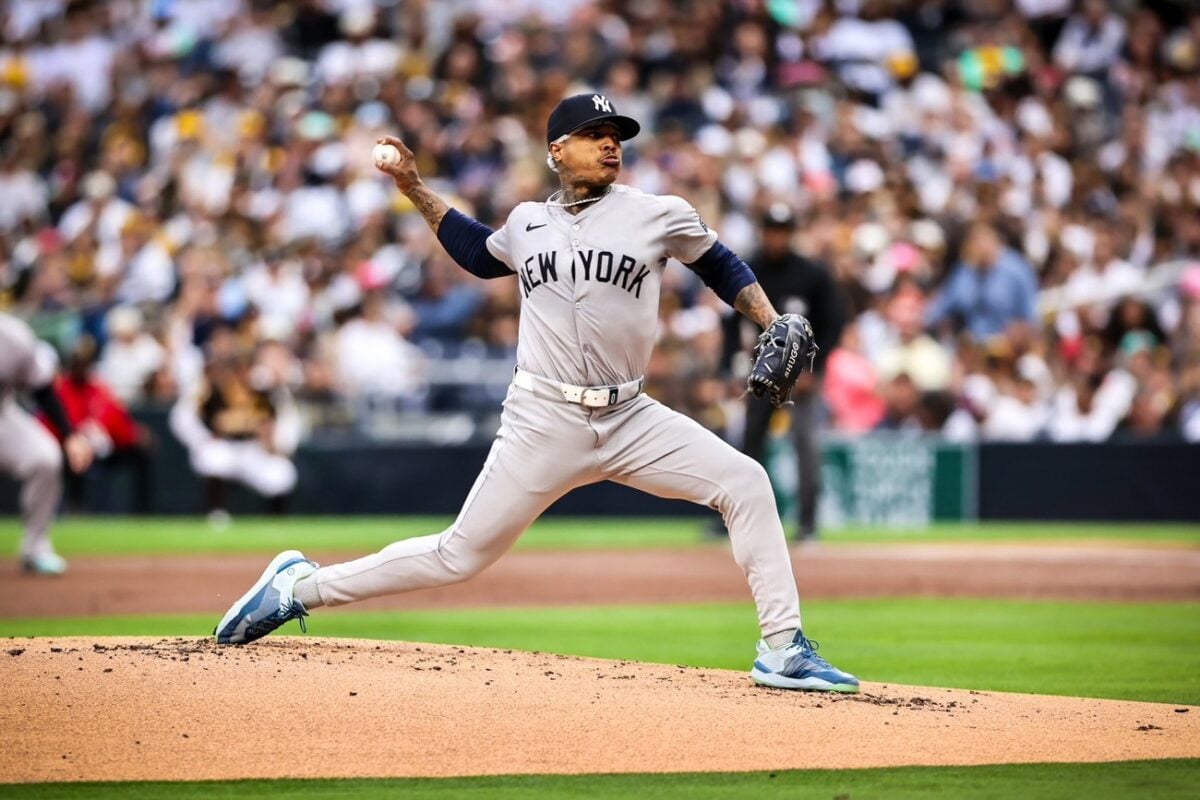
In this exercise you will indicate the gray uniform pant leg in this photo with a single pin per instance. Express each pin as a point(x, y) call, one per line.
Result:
point(542, 451)
point(31, 455)
point(649, 447)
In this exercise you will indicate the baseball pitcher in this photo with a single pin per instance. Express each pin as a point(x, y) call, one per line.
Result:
point(28, 452)
point(589, 261)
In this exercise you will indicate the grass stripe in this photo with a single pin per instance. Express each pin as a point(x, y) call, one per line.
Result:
point(1167, 779)
point(183, 535)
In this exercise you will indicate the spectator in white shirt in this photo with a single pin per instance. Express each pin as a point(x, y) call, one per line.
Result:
point(83, 59)
point(140, 264)
point(373, 358)
point(358, 55)
point(1016, 415)
point(1092, 39)
point(1091, 408)
point(277, 288)
point(1102, 279)
point(131, 355)
point(100, 208)
point(860, 47)
point(22, 194)
point(913, 352)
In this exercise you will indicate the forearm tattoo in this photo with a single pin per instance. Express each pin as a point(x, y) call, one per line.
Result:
point(432, 207)
point(752, 302)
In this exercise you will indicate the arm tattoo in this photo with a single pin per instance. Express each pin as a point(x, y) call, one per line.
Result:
point(432, 207)
point(752, 302)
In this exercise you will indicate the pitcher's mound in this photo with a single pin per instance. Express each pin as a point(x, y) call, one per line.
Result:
point(174, 709)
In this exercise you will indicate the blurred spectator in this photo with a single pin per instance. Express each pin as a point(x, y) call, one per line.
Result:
point(867, 48)
point(991, 288)
point(1189, 410)
point(118, 441)
point(1092, 40)
point(851, 387)
point(276, 287)
point(447, 302)
point(912, 351)
point(22, 194)
point(1016, 414)
point(139, 264)
point(238, 424)
point(372, 356)
point(131, 355)
point(209, 163)
point(1091, 408)
point(902, 401)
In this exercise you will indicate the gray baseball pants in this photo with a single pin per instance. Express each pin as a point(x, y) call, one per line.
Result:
point(31, 455)
point(545, 447)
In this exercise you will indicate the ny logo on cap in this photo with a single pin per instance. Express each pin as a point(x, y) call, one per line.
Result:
point(601, 103)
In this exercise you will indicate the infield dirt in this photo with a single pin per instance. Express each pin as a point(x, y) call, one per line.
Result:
point(184, 709)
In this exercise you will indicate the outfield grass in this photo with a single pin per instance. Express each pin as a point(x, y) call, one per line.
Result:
point(1126, 779)
point(128, 535)
point(1144, 651)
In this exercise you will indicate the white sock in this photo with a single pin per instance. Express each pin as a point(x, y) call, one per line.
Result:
point(305, 591)
point(777, 640)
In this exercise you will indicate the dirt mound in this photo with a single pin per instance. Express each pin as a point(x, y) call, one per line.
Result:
point(176, 584)
point(184, 709)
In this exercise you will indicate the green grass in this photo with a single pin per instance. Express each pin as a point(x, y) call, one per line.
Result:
point(1124, 779)
point(1145, 651)
point(124, 535)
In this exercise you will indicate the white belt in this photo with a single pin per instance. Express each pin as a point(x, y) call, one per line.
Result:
point(590, 396)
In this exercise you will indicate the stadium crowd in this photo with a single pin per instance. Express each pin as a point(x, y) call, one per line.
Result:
point(1007, 195)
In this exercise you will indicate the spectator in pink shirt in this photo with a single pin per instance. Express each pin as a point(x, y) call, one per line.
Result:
point(850, 388)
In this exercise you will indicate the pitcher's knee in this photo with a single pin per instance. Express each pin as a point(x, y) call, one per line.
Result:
point(747, 483)
point(463, 566)
point(460, 562)
point(755, 481)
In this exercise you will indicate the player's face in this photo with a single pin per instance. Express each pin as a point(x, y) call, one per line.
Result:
point(593, 154)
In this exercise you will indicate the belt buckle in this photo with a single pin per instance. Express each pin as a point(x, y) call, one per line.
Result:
point(600, 396)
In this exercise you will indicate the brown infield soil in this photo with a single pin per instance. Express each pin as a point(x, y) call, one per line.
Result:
point(184, 709)
point(171, 584)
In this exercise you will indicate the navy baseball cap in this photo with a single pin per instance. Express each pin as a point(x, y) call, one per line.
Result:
point(583, 109)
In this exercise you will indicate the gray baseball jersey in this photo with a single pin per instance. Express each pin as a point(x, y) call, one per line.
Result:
point(589, 284)
point(27, 450)
point(590, 281)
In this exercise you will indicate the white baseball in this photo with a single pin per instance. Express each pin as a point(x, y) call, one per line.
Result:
point(385, 154)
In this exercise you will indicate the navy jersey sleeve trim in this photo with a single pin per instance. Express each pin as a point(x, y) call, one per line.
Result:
point(723, 271)
point(466, 242)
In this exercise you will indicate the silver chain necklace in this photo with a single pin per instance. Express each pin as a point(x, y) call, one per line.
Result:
point(552, 202)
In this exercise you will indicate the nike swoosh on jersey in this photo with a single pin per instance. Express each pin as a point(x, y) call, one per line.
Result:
point(529, 226)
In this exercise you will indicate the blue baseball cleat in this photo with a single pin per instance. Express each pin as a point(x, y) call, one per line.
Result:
point(48, 563)
point(269, 603)
point(796, 665)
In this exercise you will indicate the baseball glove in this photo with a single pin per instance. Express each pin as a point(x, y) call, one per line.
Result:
point(783, 350)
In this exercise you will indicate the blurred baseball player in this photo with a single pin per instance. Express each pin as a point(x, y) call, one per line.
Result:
point(28, 452)
point(589, 261)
